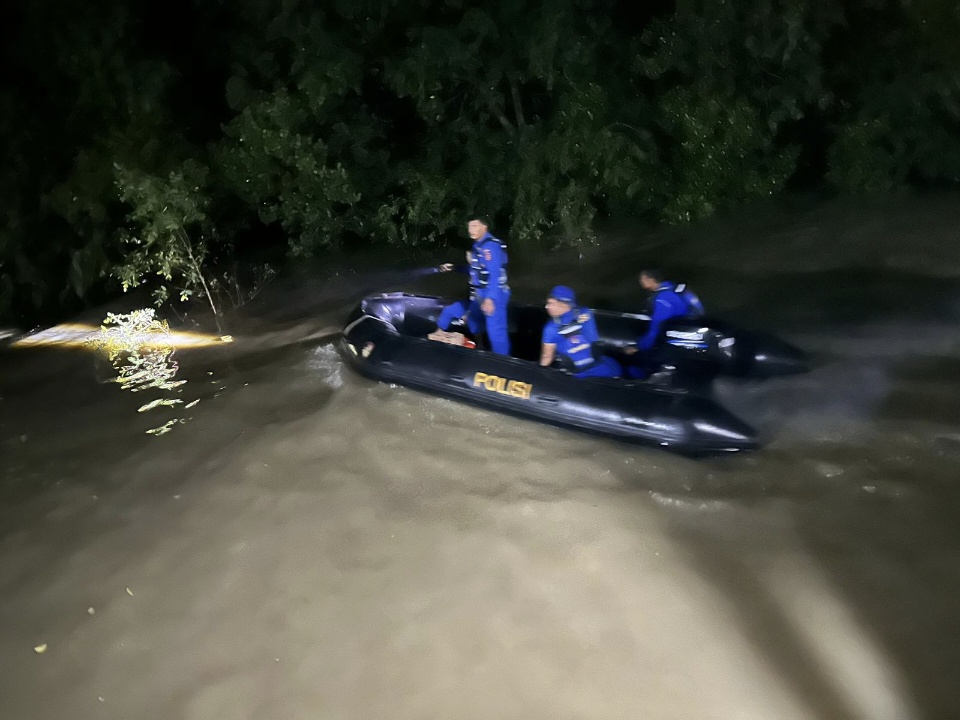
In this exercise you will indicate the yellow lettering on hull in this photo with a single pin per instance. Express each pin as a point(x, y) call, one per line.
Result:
point(503, 386)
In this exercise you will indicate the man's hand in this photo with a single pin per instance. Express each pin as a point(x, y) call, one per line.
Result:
point(487, 306)
point(631, 350)
point(446, 267)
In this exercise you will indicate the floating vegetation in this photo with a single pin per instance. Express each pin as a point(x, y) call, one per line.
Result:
point(166, 427)
point(157, 403)
point(141, 350)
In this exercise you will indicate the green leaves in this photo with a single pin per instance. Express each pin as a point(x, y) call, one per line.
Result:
point(275, 164)
point(167, 236)
point(390, 122)
point(725, 154)
point(730, 78)
point(859, 161)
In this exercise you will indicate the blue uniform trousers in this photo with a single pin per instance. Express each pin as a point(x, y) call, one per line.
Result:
point(495, 325)
point(497, 330)
point(457, 310)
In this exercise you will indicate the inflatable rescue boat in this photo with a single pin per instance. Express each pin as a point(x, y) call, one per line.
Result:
point(386, 338)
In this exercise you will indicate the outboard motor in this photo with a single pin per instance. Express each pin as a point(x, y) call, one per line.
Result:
point(710, 348)
point(700, 351)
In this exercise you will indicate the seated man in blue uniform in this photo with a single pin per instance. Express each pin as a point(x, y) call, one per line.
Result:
point(669, 301)
point(489, 291)
point(569, 337)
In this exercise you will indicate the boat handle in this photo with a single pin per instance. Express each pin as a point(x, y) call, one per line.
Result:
point(458, 378)
point(547, 399)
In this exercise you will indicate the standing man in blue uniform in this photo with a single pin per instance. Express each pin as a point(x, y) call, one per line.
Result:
point(489, 291)
point(669, 301)
point(569, 336)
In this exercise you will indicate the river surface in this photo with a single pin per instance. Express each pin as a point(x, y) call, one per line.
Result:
point(311, 544)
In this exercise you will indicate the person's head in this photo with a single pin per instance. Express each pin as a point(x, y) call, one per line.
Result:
point(650, 279)
point(477, 227)
point(560, 301)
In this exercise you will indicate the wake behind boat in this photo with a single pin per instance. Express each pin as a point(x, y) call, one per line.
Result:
point(386, 339)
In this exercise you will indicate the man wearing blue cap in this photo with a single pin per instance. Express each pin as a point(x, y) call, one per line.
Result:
point(569, 337)
point(489, 291)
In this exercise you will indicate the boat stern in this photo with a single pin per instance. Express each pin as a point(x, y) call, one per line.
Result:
point(712, 429)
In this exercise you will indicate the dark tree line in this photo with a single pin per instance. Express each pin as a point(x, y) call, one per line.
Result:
point(161, 143)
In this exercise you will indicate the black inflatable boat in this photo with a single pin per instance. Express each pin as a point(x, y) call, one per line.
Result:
point(385, 339)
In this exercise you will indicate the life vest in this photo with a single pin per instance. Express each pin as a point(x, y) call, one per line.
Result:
point(473, 273)
point(479, 274)
point(574, 350)
point(694, 306)
point(682, 301)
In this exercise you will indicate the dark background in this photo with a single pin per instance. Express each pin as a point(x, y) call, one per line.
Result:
point(160, 144)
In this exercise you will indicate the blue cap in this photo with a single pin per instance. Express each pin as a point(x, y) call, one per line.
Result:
point(563, 294)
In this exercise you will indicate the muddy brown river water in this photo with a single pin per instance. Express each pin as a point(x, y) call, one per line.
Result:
point(311, 544)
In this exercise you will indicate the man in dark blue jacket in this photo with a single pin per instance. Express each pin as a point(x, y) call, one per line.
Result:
point(489, 291)
point(569, 337)
point(669, 301)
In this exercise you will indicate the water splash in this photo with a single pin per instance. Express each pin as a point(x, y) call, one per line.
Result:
point(327, 363)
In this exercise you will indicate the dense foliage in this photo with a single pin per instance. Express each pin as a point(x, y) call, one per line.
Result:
point(157, 144)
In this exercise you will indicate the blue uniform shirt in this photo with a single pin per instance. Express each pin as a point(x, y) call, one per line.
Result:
point(667, 304)
point(488, 272)
point(574, 334)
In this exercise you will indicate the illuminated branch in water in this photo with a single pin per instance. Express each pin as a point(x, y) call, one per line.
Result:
point(141, 350)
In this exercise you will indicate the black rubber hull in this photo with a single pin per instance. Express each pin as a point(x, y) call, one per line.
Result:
point(700, 349)
point(632, 412)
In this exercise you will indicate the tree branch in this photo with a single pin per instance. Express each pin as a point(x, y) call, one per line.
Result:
point(502, 118)
point(517, 107)
point(203, 281)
